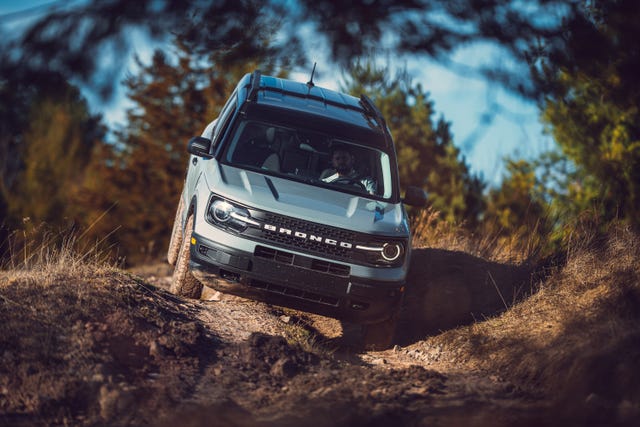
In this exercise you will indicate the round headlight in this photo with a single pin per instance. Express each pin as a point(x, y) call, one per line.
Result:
point(221, 210)
point(391, 251)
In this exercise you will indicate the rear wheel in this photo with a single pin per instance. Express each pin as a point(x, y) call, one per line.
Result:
point(183, 283)
point(176, 235)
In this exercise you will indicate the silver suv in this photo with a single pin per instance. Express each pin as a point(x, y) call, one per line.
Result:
point(292, 198)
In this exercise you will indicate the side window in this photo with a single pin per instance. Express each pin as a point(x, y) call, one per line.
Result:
point(224, 119)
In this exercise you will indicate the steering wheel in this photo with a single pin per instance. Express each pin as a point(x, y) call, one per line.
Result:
point(350, 181)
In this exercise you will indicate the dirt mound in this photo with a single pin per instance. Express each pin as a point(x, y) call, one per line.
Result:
point(574, 341)
point(601, 386)
point(273, 356)
point(101, 349)
point(446, 289)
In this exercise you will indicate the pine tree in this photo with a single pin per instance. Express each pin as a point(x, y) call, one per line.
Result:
point(592, 106)
point(517, 207)
point(55, 139)
point(59, 141)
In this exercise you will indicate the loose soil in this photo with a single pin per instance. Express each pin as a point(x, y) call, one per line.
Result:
point(116, 348)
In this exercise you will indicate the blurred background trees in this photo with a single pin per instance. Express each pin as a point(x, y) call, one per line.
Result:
point(58, 164)
point(591, 106)
point(47, 137)
point(139, 178)
point(427, 156)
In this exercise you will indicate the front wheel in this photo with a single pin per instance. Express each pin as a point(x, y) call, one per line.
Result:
point(379, 336)
point(176, 235)
point(183, 283)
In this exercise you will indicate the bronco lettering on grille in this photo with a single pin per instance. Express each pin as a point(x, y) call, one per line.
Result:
point(307, 236)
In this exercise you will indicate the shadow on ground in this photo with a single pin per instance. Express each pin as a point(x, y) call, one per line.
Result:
point(446, 289)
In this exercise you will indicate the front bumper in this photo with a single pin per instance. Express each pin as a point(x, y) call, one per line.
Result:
point(292, 280)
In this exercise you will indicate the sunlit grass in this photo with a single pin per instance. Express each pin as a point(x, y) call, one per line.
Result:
point(486, 242)
point(44, 251)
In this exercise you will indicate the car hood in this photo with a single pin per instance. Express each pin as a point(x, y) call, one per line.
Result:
point(304, 201)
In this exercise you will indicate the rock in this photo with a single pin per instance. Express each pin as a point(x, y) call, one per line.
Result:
point(156, 350)
point(595, 400)
point(209, 294)
point(417, 391)
point(97, 378)
point(108, 401)
point(285, 319)
point(284, 367)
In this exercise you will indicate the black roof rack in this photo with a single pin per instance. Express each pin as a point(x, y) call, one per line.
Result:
point(318, 98)
point(371, 108)
point(255, 85)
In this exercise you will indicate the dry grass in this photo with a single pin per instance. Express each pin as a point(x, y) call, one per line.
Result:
point(42, 250)
point(578, 337)
point(431, 232)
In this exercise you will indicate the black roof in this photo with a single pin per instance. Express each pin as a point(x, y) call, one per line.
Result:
point(324, 103)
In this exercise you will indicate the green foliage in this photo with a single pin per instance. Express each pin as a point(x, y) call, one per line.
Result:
point(518, 206)
point(521, 215)
point(19, 92)
point(567, 189)
point(427, 157)
point(48, 141)
point(47, 136)
point(59, 140)
point(592, 108)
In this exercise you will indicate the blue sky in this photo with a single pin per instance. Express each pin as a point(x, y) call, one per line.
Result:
point(487, 122)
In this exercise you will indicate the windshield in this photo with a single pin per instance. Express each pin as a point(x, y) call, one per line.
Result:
point(315, 158)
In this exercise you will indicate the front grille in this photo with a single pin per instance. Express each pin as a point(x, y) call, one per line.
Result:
point(294, 293)
point(274, 255)
point(309, 228)
point(330, 267)
point(308, 237)
point(302, 261)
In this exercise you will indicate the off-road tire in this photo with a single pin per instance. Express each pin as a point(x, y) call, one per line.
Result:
point(183, 283)
point(176, 235)
point(379, 336)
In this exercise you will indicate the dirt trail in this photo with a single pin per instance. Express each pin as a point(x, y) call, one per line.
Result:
point(107, 347)
point(410, 382)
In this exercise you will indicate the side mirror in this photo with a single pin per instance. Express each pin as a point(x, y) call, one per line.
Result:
point(415, 196)
point(200, 146)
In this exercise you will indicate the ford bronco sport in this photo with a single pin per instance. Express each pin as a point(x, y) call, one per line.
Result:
point(259, 218)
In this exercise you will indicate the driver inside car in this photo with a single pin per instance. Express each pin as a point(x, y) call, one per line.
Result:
point(343, 172)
